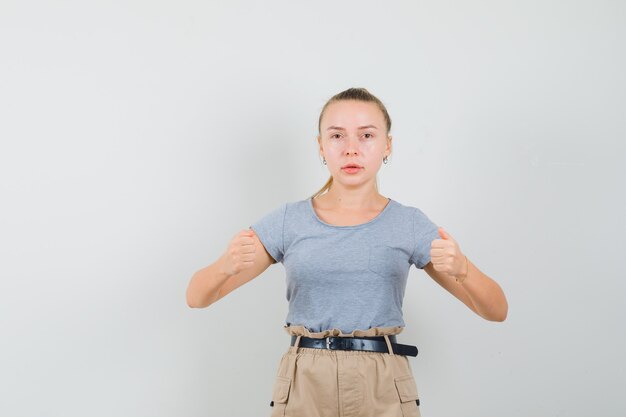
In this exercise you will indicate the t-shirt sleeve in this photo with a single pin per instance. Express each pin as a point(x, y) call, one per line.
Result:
point(424, 232)
point(269, 229)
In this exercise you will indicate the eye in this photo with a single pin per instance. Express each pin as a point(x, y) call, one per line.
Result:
point(334, 136)
point(368, 135)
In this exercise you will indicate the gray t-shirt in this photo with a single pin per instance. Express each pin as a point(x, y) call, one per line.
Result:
point(346, 277)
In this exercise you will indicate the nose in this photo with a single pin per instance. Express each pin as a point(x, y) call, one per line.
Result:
point(352, 146)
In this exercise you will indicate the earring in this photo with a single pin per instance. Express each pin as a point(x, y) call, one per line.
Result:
point(385, 159)
point(324, 160)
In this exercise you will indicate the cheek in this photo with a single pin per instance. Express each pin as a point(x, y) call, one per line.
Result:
point(334, 145)
point(371, 150)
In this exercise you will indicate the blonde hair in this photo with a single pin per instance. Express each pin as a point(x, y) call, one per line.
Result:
point(358, 94)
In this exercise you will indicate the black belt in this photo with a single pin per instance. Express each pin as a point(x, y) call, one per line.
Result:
point(372, 344)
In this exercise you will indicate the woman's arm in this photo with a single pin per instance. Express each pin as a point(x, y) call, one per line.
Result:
point(477, 291)
point(204, 286)
point(454, 272)
point(245, 259)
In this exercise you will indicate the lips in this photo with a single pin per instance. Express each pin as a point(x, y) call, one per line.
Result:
point(351, 166)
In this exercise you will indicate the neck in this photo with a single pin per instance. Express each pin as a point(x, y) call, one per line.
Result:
point(352, 198)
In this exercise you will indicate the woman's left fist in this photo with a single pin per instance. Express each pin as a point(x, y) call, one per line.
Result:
point(446, 255)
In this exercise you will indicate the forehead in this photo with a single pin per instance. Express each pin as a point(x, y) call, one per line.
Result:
point(350, 113)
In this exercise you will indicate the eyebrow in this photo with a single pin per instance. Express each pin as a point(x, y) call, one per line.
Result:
point(360, 127)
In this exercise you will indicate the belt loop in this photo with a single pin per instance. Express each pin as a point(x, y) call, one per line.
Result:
point(297, 343)
point(388, 344)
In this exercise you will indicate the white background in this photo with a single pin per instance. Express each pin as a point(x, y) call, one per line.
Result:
point(137, 137)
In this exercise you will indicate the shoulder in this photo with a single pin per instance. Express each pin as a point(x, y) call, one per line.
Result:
point(290, 205)
point(297, 204)
point(408, 210)
point(288, 209)
point(409, 207)
point(294, 207)
point(419, 219)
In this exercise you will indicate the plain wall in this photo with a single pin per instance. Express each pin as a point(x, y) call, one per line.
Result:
point(138, 137)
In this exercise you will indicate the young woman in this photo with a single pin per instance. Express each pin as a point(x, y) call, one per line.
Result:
point(347, 251)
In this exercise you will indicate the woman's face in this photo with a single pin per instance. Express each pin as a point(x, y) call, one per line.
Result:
point(353, 132)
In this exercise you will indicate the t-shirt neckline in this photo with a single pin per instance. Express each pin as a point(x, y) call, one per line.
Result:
point(354, 226)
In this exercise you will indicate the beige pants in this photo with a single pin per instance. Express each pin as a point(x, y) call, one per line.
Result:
point(314, 382)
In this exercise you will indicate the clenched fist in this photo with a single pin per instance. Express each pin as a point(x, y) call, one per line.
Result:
point(240, 253)
point(446, 255)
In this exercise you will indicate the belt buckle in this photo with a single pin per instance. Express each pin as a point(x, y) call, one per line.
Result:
point(339, 343)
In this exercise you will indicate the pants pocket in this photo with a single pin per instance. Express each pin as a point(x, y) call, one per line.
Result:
point(407, 392)
point(280, 395)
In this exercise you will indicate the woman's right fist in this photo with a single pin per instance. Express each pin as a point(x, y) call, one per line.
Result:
point(240, 253)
